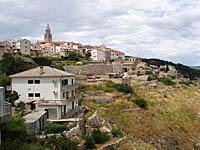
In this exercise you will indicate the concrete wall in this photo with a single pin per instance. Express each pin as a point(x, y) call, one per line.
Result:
point(91, 69)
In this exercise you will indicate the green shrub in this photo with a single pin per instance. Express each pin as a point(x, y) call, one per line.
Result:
point(111, 86)
point(141, 103)
point(187, 83)
point(4, 80)
point(117, 132)
point(56, 128)
point(62, 143)
point(89, 142)
point(166, 81)
point(88, 113)
point(14, 129)
point(99, 136)
point(42, 61)
point(125, 88)
point(148, 72)
point(152, 77)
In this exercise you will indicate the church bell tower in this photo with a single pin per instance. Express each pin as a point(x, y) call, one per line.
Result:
point(48, 35)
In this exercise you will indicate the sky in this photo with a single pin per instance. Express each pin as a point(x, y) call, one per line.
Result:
point(165, 29)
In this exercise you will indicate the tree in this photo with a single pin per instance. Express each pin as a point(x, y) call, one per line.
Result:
point(14, 133)
point(12, 97)
point(4, 80)
point(75, 56)
point(12, 64)
point(88, 55)
point(42, 61)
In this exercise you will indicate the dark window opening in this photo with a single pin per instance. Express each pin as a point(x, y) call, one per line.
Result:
point(37, 94)
point(30, 81)
point(30, 94)
point(37, 81)
point(65, 82)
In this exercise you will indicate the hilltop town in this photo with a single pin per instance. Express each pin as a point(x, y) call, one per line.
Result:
point(65, 95)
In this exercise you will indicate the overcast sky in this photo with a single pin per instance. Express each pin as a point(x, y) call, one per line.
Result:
point(166, 29)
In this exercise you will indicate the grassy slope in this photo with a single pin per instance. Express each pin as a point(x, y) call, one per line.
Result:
point(172, 114)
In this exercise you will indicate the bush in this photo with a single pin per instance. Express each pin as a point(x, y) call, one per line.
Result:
point(141, 103)
point(56, 128)
point(14, 129)
point(148, 72)
point(62, 143)
point(111, 86)
point(99, 136)
point(152, 77)
point(187, 83)
point(89, 142)
point(88, 113)
point(4, 80)
point(166, 81)
point(117, 132)
point(42, 61)
point(125, 88)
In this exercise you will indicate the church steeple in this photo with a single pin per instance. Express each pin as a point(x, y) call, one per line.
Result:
point(48, 35)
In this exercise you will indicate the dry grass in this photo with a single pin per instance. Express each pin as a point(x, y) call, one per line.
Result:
point(172, 113)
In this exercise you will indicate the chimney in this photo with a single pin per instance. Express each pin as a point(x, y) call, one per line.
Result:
point(41, 70)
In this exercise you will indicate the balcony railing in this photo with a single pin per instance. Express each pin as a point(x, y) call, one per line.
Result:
point(6, 112)
point(72, 98)
point(69, 86)
point(72, 113)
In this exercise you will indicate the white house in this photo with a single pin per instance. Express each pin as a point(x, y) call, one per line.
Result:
point(116, 54)
point(49, 89)
point(24, 46)
point(98, 55)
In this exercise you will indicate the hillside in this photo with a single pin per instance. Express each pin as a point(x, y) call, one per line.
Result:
point(195, 67)
point(171, 120)
point(186, 71)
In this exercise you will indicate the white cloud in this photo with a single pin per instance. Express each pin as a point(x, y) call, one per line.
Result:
point(168, 29)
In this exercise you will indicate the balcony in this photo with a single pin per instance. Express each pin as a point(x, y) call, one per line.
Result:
point(6, 112)
point(72, 113)
point(69, 87)
point(72, 98)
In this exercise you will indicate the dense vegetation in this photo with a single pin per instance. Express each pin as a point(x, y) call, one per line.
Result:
point(15, 137)
point(111, 86)
point(57, 128)
point(186, 71)
point(96, 137)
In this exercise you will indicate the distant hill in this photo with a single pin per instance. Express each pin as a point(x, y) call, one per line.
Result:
point(186, 71)
point(195, 67)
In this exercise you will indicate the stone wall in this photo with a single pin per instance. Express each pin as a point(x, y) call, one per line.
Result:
point(90, 69)
point(101, 99)
point(113, 145)
point(94, 121)
point(73, 132)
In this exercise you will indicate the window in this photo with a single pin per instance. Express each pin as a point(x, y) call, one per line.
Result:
point(73, 93)
point(65, 82)
point(30, 81)
point(67, 94)
point(72, 81)
point(63, 95)
point(37, 81)
point(37, 94)
point(30, 94)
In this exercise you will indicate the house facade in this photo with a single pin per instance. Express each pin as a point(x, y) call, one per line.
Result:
point(24, 46)
point(98, 55)
point(47, 89)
